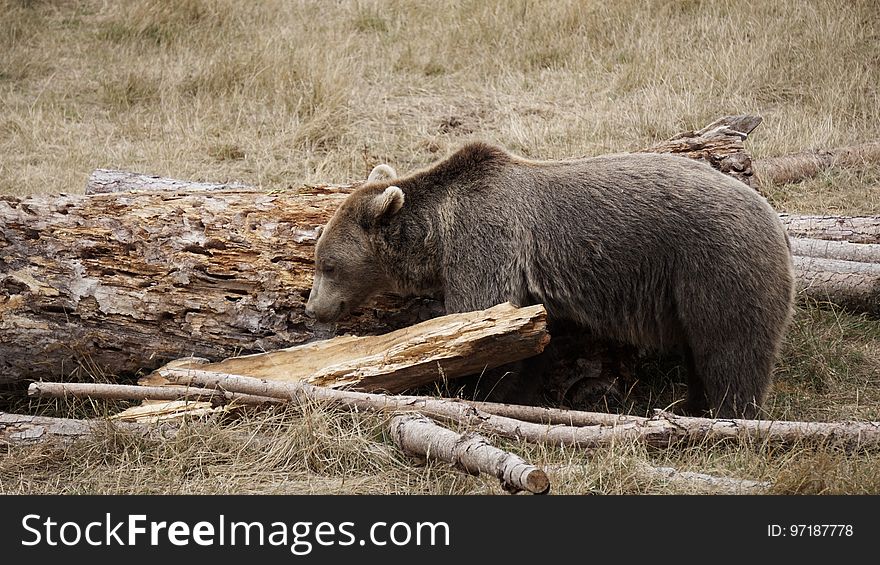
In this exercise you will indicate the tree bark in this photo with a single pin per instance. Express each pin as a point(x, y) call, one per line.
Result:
point(720, 144)
point(418, 435)
point(24, 429)
point(104, 181)
point(854, 229)
point(448, 347)
point(808, 164)
point(850, 285)
point(663, 430)
point(130, 281)
point(841, 250)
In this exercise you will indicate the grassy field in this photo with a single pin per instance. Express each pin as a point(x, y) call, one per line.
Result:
point(276, 93)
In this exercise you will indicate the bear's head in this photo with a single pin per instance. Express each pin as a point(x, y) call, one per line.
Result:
point(347, 268)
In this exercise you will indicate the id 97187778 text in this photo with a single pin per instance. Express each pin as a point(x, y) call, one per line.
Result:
point(809, 530)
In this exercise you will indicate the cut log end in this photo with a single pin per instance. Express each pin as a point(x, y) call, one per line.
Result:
point(536, 482)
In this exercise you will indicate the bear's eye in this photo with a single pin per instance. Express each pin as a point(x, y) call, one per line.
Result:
point(327, 269)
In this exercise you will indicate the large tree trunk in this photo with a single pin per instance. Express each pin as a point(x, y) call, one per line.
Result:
point(126, 282)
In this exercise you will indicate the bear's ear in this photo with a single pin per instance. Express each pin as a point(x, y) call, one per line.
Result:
point(382, 170)
point(387, 204)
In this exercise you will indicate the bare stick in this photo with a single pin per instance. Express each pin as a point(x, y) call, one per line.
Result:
point(135, 392)
point(553, 416)
point(418, 435)
point(662, 430)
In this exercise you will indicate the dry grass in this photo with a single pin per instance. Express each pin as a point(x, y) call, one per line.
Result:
point(277, 92)
point(274, 93)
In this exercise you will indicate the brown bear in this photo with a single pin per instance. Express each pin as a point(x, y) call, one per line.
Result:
point(657, 251)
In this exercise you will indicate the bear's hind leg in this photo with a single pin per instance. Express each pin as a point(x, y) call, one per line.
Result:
point(697, 404)
point(734, 376)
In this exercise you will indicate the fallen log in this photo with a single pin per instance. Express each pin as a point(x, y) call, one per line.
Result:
point(842, 250)
point(26, 429)
point(854, 229)
point(720, 144)
point(848, 284)
point(131, 281)
point(104, 181)
point(663, 430)
point(450, 346)
point(807, 164)
point(418, 435)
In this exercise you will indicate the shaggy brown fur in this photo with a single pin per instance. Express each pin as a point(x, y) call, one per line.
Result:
point(652, 250)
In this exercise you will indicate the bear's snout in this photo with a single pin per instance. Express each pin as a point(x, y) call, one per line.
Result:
point(321, 313)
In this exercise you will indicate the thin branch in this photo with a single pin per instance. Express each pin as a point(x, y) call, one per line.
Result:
point(135, 392)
